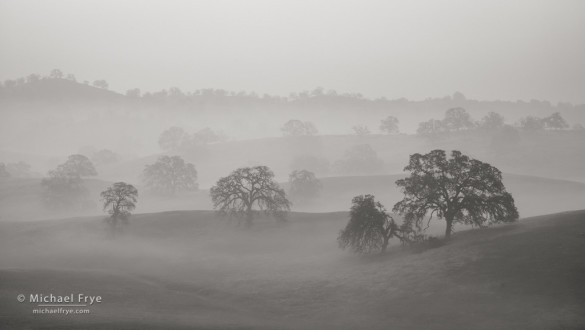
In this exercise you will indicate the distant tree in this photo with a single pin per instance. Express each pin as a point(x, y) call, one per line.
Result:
point(458, 189)
point(172, 139)
point(532, 123)
point(170, 174)
point(457, 119)
point(492, 121)
point(3, 171)
point(555, 121)
point(105, 156)
point(77, 165)
point(316, 164)
point(119, 200)
point(361, 130)
point(56, 74)
point(578, 127)
point(304, 185)
point(296, 127)
point(206, 136)
point(247, 188)
point(370, 227)
point(360, 158)
point(65, 187)
point(100, 84)
point(71, 77)
point(389, 125)
point(134, 93)
point(430, 127)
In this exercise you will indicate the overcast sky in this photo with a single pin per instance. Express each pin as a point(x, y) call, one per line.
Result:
point(416, 49)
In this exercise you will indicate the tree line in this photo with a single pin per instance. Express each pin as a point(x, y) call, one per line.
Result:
point(452, 187)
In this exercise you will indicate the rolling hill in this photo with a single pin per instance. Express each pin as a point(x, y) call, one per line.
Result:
point(189, 270)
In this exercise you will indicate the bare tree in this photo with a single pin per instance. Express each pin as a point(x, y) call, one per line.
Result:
point(248, 188)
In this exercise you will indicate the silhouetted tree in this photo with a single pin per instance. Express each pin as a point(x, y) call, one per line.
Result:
point(457, 119)
point(458, 189)
point(246, 188)
point(304, 185)
point(119, 200)
point(492, 121)
point(296, 127)
point(555, 121)
point(172, 139)
point(169, 175)
point(389, 125)
point(370, 227)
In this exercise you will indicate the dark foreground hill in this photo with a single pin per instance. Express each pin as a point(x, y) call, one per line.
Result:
point(188, 269)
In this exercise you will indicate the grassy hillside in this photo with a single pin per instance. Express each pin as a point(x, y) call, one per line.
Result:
point(190, 270)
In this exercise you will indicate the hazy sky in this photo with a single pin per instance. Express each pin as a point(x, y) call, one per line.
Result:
point(415, 49)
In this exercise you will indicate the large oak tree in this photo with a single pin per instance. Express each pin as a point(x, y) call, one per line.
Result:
point(248, 188)
point(458, 189)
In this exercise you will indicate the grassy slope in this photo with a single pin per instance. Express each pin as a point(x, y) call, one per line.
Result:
point(186, 269)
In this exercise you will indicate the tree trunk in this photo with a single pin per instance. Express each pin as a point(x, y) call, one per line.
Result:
point(385, 245)
point(449, 228)
point(249, 216)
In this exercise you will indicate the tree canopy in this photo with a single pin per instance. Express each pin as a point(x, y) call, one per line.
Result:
point(247, 188)
point(65, 188)
point(295, 127)
point(389, 125)
point(170, 174)
point(304, 185)
point(370, 227)
point(458, 189)
point(119, 200)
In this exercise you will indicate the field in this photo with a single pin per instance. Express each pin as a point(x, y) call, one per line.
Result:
point(189, 269)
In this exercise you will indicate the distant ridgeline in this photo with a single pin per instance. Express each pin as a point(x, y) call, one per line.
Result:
point(58, 87)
